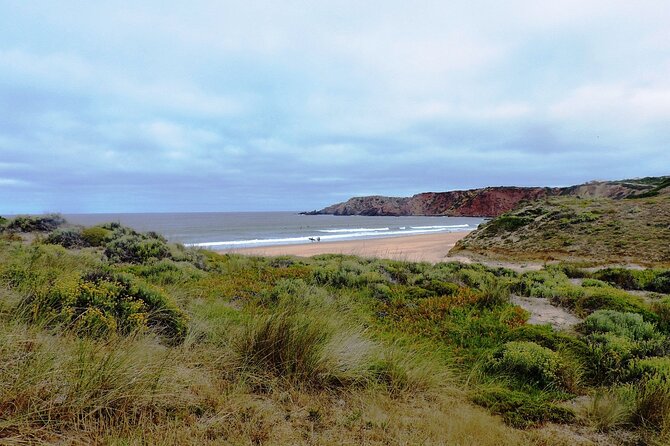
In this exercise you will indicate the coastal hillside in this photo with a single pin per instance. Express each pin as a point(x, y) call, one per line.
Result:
point(635, 230)
point(486, 202)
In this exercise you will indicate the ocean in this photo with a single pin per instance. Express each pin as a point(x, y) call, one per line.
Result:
point(222, 230)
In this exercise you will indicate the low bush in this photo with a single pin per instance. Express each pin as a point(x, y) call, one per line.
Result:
point(649, 279)
point(607, 299)
point(660, 283)
point(648, 368)
point(619, 277)
point(167, 272)
point(615, 339)
point(493, 293)
point(70, 238)
point(101, 302)
point(537, 365)
point(608, 357)
point(521, 409)
point(594, 283)
point(96, 235)
point(506, 223)
point(662, 310)
point(136, 248)
point(35, 223)
point(629, 325)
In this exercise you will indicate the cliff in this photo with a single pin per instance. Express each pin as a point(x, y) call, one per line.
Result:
point(484, 202)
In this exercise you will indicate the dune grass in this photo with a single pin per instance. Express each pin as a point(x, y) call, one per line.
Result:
point(330, 350)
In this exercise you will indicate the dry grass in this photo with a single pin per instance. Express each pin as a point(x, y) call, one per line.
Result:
point(601, 230)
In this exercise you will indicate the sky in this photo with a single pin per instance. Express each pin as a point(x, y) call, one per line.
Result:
point(163, 106)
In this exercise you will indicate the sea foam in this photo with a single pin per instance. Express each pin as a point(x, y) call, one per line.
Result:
point(341, 235)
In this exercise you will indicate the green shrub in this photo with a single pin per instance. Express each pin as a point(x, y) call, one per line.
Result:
point(529, 361)
point(68, 238)
point(96, 235)
point(35, 223)
point(662, 310)
point(521, 409)
point(608, 356)
point(648, 279)
point(629, 325)
point(594, 283)
point(167, 272)
point(660, 283)
point(619, 277)
point(506, 223)
point(650, 368)
point(102, 302)
point(493, 293)
point(611, 299)
point(136, 249)
point(617, 338)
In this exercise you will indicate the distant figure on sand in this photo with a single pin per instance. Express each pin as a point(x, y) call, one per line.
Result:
point(311, 239)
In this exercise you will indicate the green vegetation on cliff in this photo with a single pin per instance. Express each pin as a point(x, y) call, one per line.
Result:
point(567, 228)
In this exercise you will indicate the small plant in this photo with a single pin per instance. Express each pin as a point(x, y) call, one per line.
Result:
point(494, 293)
point(647, 368)
point(507, 223)
point(652, 403)
point(520, 409)
point(594, 283)
point(96, 235)
point(531, 362)
point(608, 409)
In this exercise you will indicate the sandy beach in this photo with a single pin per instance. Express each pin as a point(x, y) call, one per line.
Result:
point(420, 248)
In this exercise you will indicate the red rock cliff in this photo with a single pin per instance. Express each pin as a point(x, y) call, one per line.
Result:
point(485, 202)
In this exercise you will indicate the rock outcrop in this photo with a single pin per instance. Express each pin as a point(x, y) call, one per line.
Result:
point(484, 202)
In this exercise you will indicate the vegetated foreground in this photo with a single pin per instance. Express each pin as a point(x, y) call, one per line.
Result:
point(577, 229)
point(122, 338)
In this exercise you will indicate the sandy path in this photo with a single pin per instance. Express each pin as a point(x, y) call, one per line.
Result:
point(418, 248)
point(544, 312)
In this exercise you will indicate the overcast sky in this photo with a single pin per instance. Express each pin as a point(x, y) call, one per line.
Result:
point(294, 105)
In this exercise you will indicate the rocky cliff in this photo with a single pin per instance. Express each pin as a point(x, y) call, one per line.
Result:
point(484, 202)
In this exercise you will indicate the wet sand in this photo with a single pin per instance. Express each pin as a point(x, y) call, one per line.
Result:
point(417, 248)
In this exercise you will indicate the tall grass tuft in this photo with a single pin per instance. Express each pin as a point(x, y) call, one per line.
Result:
point(304, 348)
point(609, 409)
point(64, 384)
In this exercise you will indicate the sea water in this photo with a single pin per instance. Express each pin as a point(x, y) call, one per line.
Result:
point(222, 230)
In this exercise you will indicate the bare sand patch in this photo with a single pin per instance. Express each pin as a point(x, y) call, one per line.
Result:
point(542, 311)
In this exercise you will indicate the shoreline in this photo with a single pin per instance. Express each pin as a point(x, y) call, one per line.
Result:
point(431, 248)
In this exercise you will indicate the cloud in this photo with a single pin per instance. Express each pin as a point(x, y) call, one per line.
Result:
point(265, 105)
